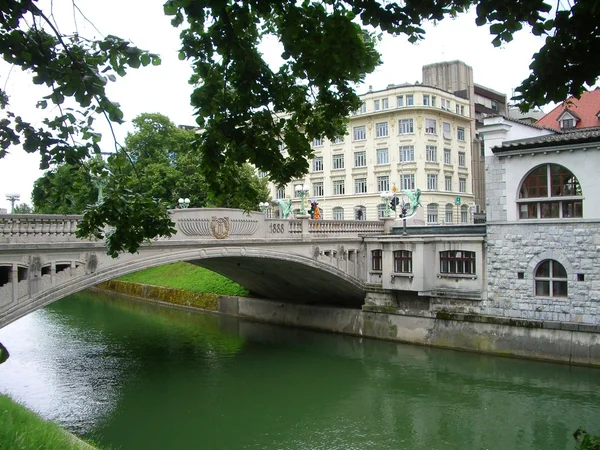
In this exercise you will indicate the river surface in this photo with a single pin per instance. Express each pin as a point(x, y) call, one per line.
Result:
point(134, 375)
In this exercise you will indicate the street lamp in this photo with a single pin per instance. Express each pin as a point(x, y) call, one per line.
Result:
point(13, 198)
point(184, 203)
point(264, 206)
point(386, 197)
point(302, 192)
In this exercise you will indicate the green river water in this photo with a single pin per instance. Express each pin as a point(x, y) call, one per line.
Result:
point(134, 375)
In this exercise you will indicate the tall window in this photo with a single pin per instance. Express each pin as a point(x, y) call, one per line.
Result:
point(381, 129)
point(338, 140)
point(447, 131)
point(360, 212)
point(318, 190)
point(449, 210)
point(462, 110)
point(385, 103)
point(317, 142)
point(380, 211)
point(383, 156)
point(462, 160)
point(464, 214)
point(280, 192)
point(433, 100)
point(339, 187)
point(403, 261)
point(426, 101)
point(462, 185)
point(410, 100)
point(360, 159)
point(360, 186)
point(457, 109)
point(447, 156)
point(457, 261)
point(338, 213)
point(430, 126)
point(407, 182)
point(376, 257)
point(432, 213)
point(399, 101)
point(407, 153)
point(556, 193)
point(363, 108)
point(432, 181)
point(377, 105)
point(338, 161)
point(448, 183)
point(360, 133)
point(550, 279)
point(431, 153)
point(405, 126)
point(383, 183)
point(318, 164)
point(460, 133)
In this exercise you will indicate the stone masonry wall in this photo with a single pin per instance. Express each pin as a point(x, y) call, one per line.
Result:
point(514, 248)
point(495, 170)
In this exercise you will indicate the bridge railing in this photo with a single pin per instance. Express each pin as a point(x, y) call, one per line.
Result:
point(200, 223)
point(27, 227)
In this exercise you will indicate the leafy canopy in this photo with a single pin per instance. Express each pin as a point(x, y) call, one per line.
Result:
point(246, 108)
point(164, 167)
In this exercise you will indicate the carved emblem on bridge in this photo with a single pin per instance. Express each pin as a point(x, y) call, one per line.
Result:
point(219, 227)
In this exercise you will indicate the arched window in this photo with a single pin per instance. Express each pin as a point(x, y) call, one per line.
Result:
point(550, 279)
point(550, 191)
point(432, 213)
point(381, 211)
point(338, 213)
point(449, 210)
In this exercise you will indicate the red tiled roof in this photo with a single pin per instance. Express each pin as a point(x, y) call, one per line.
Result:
point(585, 108)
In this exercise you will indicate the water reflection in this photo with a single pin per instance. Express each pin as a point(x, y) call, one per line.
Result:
point(137, 376)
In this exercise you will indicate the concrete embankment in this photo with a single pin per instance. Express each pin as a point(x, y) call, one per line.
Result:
point(525, 339)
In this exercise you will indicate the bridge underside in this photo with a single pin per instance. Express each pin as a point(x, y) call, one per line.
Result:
point(287, 281)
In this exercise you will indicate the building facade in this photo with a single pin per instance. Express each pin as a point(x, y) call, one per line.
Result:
point(403, 137)
point(457, 77)
point(543, 229)
point(575, 113)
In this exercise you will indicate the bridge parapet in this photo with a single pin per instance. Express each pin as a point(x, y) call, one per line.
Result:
point(236, 224)
point(21, 228)
point(193, 223)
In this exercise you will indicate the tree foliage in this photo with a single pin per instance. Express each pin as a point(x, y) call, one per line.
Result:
point(163, 166)
point(22, 208)
point(246, 108)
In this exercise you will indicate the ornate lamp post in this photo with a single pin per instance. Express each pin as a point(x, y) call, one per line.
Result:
point(264, 206)
point(184, 203)
point(386, 198)
point(302, 191)
point(13, 198)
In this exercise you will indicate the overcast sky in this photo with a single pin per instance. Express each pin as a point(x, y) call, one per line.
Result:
point(164, 89)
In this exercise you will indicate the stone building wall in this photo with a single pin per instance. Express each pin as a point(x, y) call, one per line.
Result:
point(495, 188)
point(514, 248)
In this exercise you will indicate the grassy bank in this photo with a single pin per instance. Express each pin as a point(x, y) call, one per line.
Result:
point(22, 429)
point(187, 277)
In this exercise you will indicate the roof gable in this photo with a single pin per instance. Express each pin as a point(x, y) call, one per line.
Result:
point(586, 109)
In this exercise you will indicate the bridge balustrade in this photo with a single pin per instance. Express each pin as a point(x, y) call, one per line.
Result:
point(24, 227)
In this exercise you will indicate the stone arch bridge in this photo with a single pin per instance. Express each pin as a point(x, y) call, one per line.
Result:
point(297, 260)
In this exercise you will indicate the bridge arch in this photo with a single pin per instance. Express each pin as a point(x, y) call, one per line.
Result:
point(268, 273)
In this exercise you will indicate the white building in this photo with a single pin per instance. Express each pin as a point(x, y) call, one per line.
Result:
point(543, 222)
point(404, 137)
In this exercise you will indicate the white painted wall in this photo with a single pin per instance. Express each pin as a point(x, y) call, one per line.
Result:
point(585, 165)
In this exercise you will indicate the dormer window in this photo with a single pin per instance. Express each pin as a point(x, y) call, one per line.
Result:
point(567, 123)
point(568, 119)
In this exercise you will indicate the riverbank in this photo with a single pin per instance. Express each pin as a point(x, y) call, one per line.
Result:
point(525, 339)
point(23, 429)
